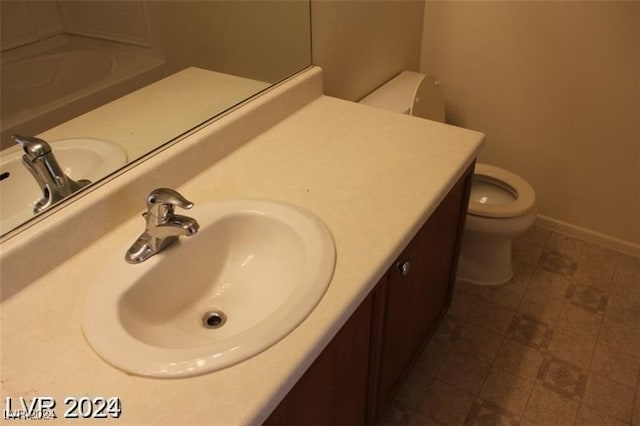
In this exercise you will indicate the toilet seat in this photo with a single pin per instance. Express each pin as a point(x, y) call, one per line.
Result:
point(521, 190)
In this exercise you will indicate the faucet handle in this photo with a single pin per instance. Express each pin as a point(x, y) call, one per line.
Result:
point(33, 147)
point(161, 202)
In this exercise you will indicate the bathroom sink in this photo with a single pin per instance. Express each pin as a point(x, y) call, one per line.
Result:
point(80, 158)
point(253, 273)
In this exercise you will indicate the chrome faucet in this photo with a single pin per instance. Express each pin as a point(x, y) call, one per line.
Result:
point(163, 225)
point(38, 158)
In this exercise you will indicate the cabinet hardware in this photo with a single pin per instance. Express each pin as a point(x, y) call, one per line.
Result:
point(403, 267)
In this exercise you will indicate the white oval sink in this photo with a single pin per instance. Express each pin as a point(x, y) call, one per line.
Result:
point(80, 158)
point(252, 273)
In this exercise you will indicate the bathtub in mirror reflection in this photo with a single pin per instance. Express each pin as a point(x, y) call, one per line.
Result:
point(108, 69)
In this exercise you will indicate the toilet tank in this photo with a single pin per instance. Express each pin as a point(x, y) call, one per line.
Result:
point(409, 93)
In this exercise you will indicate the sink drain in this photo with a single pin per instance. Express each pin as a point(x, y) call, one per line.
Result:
point(214, 319)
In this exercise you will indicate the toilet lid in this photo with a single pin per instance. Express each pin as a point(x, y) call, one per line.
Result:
point(500, 193)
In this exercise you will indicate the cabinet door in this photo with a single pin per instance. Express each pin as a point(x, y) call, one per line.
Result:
point(419, 291)
point(333, 391)
point(407, 316)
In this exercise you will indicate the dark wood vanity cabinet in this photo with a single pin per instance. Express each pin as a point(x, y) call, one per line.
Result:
point(361, 369)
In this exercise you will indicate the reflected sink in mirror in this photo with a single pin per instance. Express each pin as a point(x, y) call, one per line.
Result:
point(80, 158)
point(252, 274)
point(66, 65)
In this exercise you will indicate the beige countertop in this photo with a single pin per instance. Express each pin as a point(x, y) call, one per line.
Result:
point(372, 176)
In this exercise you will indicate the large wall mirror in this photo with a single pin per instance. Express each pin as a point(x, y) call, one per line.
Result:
point(107, 82)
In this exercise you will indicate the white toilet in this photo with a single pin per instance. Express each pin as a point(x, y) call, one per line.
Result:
point(502, 205)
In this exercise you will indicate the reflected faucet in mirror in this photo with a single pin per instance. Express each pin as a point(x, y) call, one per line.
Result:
point(163, 225)
point(54, 184)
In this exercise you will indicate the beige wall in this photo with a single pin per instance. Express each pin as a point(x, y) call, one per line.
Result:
point(361, 44)
point(556, 88)
point(23, 22)
point(262, 40)
point(121, 21)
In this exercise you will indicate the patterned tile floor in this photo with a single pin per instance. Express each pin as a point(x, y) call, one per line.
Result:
point(557, 345)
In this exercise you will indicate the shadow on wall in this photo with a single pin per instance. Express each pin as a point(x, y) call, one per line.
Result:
point(362, 44)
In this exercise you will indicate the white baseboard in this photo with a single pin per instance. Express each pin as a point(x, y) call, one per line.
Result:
point(603, 240)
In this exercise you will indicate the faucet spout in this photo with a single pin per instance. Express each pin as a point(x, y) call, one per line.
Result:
point(39, 160)
point(178, 226)
point(188, 225)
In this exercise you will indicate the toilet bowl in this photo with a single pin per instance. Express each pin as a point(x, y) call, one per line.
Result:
point(502, 205)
